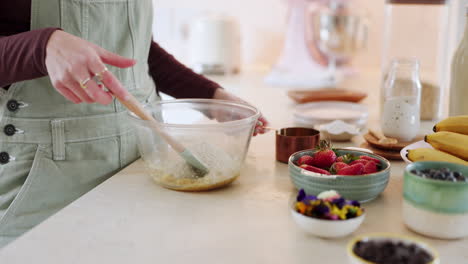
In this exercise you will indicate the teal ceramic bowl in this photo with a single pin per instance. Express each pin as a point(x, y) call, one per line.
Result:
point(433, 207)
point(362, 188)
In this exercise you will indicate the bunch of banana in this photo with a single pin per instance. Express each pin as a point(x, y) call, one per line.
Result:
point(450, 142)
point(457, 124)
point(426, 154)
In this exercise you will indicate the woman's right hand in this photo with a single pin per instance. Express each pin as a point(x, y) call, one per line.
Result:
point(71, 60)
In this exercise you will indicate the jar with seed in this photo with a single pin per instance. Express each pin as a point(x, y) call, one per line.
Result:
point(402, 96)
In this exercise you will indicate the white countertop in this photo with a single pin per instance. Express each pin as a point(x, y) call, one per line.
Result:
point(129, 219)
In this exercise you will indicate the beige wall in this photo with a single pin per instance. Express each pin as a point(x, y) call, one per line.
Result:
point(262, 27)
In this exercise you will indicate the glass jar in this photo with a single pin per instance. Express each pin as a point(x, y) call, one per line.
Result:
point(401, 100)
point(419, 28)
point(459, 81)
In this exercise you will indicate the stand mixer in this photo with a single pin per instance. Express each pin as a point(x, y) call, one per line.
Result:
point(320, 39)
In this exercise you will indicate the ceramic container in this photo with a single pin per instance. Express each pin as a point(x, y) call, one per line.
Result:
point(338, 130)
point(433, 207)
point(362, 188)
point(327, 228)
point(355, 259)
point(214, 44)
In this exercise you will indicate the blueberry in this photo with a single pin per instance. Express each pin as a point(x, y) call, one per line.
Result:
point(438, 176)
point(451, 178)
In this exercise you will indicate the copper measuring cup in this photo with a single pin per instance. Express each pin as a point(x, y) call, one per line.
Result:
point(293, 139)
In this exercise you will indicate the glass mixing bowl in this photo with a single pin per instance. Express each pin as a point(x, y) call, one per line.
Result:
point(217, 133)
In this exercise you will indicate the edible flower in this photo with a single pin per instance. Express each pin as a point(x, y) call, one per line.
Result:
point(327, 205)
point(328, 195)
point(339, 202)
point(301, 195)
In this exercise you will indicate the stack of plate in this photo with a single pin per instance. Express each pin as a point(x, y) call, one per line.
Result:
point(317, 114)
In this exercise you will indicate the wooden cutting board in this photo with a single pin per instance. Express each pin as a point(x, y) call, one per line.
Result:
point(388, 154)
point(374, 142)
point(326, 94)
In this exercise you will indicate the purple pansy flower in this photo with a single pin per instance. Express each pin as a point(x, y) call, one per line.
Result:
point(321, 209)
point(301, 195)
point(309, 198)
point(339, 202)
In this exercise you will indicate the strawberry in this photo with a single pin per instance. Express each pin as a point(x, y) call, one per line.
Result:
point(370, 167)
point(314, 169)
point(337, 166)
point(346, 158)
point(325, 156)
point(363, 161)
point(306, 159)
point(370, 158)
point(355, 169)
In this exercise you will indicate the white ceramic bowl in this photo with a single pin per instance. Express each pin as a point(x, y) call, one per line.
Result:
point(338, 130)
point(317, 113)
point(327, 228)
point(355, 259)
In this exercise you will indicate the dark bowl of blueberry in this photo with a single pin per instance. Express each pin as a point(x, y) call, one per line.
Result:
point(436, 192)
point(388, 248)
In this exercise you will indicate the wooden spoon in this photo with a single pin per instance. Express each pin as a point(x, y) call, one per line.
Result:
point(269, 128)
point(382, 138)
point(136, 107)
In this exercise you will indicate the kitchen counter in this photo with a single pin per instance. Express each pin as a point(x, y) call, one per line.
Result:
point(130, 219)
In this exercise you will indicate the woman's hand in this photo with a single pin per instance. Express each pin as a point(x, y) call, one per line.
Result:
point(223, 95)
point(73, 62)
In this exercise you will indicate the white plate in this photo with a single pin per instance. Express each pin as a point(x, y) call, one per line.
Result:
point(415, 145)
point(317, 113)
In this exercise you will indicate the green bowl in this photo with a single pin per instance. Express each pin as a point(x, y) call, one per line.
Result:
point(362, 188)
point(435, 208)
point(436, 195)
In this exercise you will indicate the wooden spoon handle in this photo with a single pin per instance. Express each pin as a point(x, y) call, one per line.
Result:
point(132, 104)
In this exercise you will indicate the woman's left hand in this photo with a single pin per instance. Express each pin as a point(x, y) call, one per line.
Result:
point(221, 94)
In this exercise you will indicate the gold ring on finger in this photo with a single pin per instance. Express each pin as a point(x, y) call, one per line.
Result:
point(84, 82)
point(98, 77)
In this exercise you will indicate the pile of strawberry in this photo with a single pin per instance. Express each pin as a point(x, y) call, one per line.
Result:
point(326, 161)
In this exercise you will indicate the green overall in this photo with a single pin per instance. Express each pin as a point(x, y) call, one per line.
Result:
point(53, 151)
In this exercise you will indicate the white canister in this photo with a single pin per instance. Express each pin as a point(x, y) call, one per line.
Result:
point(214, 45)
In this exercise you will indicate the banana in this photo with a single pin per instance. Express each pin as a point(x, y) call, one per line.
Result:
point(427, 154)
point(450, 142)
point(457, 124)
